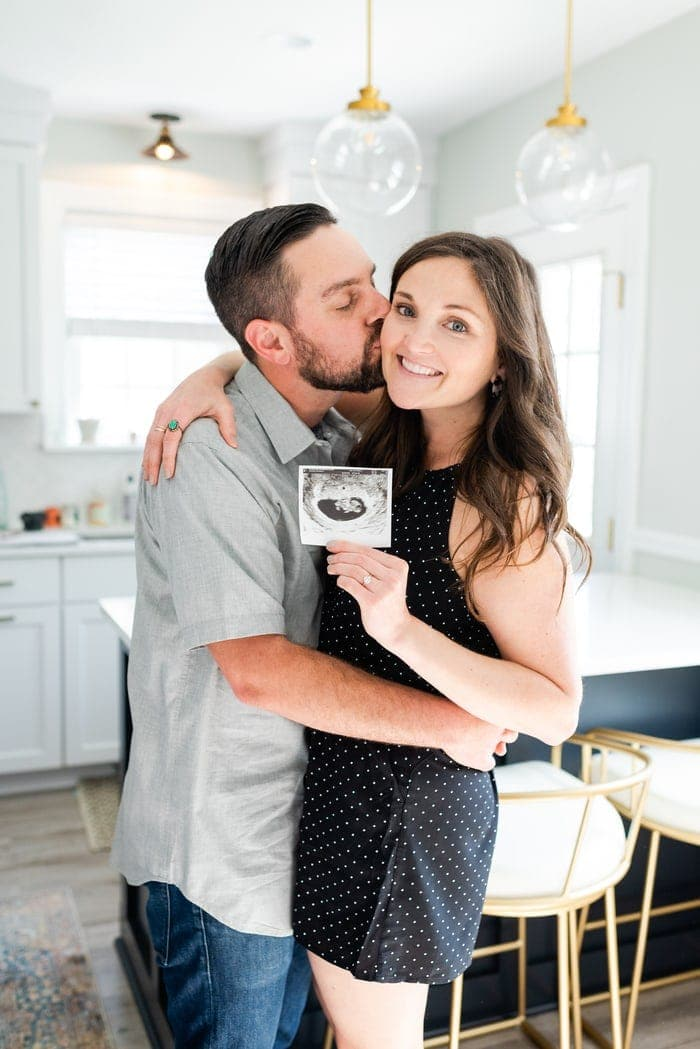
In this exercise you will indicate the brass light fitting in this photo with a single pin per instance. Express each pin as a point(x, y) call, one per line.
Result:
point(164, 148)
point(369, 99)
point(567, 114)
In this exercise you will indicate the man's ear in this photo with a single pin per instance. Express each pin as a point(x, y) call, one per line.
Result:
point(270, 340)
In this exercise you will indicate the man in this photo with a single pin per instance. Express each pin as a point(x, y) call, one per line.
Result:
point(223, 672)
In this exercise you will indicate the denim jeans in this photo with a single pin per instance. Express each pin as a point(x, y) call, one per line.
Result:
point(226, 989)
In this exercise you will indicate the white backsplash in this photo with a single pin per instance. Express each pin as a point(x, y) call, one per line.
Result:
point(36, 479)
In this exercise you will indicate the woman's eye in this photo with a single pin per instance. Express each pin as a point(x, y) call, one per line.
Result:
point(458, 326)
point(403, 310)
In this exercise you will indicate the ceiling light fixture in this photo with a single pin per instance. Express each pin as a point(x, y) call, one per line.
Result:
point(367, 160)
point(164, 148)
point(563, 174)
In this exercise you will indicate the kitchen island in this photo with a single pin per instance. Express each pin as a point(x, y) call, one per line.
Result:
point(639, 642)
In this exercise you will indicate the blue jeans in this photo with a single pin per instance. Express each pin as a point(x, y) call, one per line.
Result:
point(226, 989)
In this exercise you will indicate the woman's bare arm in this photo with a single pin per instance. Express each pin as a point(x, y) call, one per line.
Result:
point(201, 394)
point(535, 687)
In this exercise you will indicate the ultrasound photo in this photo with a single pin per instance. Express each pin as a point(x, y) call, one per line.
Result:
point(344, 502)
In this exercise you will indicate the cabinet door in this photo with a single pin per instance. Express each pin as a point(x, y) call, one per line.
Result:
point(30, 688)
point(19, 278)
point(92, 695)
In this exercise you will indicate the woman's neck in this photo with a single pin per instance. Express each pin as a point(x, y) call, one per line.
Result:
point(448, 434)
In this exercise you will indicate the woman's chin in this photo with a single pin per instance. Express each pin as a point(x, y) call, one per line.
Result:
point(401, 398)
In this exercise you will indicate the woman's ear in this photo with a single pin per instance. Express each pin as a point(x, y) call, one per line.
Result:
point(499, 374)
point(270, 340)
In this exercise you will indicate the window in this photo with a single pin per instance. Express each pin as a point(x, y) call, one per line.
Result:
point(592, 284)
point(571, 294)
point(128, 309)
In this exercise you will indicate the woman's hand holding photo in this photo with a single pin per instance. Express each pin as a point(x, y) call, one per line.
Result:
point(377, 581)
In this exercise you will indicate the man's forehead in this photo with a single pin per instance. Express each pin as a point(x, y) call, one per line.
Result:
point(329, 256)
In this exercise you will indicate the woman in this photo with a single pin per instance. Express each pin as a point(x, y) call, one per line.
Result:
point(396, 842)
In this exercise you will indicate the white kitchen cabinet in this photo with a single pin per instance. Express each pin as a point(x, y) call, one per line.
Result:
point(30, 688)
point(91, 686)
point(91, 657)
point(19, 279)
point(59, 660)
point(24, 116)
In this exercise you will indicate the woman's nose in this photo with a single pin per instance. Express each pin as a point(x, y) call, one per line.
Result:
point(418, 341)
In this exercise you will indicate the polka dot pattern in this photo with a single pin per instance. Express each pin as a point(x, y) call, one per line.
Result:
point(395, 843)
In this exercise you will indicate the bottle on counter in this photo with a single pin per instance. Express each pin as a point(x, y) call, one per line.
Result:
point(98, 511)
point(129, 496)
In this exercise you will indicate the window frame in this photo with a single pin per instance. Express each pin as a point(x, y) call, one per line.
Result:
point(621, 380)
point(60, 198)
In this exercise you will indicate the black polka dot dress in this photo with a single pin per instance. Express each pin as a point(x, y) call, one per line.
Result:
point(395, 842)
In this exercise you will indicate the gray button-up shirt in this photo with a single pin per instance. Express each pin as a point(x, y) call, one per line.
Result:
point(213, 790)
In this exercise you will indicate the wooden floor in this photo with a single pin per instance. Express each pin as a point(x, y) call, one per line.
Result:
point(43, 844)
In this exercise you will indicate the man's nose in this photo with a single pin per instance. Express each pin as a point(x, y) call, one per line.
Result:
point(380, 307)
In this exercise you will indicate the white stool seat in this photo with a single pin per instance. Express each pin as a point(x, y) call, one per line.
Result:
point(673, 800)
point(536, 837)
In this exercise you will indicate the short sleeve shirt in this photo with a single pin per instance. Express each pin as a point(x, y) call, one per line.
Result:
point(212, 793)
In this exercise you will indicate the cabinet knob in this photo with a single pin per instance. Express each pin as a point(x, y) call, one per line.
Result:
point(7, 619)
point(7, 582)
point(35, 404)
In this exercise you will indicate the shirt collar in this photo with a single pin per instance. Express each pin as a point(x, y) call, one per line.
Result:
point(289, 435)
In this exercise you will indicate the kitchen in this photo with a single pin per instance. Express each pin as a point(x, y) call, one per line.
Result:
point(62, 721)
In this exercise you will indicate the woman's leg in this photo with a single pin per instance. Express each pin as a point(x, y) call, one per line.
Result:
point(369, 1015)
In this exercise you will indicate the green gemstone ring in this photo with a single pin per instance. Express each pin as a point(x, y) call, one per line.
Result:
point(173, 425)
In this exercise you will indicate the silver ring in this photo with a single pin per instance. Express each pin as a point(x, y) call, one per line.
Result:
point(367, 580)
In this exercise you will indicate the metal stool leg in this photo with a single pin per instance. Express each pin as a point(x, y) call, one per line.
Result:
point(613, 969)
point(328, 1038)
point(563, 967)
point(575, 982)
point(642, 936)
point(456, 1012)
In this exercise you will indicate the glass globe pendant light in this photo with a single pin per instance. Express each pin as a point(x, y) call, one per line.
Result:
point(564, 174)
point(367, 161)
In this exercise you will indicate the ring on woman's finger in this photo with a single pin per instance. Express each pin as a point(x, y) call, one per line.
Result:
point(174, 425)
point(161, 429)
point(366, 580)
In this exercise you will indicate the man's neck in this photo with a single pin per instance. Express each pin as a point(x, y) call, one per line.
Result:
point(309, 404)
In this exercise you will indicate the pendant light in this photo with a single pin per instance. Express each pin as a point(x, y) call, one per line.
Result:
point(563, 174)
point(367, 160)
point(164, 148)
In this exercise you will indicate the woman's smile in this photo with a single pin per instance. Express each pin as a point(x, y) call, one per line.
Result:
point(421, 370)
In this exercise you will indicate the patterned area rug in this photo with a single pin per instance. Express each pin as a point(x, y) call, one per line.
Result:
point(98, 801)
point(48, 998)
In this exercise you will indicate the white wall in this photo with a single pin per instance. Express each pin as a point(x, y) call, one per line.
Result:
point(81, 151)
point(641, 100)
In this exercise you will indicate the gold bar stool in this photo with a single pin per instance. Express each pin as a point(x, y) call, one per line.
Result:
point(671, 810)
point(560, 845)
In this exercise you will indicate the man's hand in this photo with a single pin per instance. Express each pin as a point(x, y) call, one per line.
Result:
point(480, 743)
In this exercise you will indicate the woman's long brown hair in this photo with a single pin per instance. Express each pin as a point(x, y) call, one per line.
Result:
point(521, 445)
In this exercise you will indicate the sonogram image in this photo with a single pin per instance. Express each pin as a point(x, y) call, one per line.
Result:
point(345, 503)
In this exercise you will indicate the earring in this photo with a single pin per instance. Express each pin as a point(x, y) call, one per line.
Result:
point(497, 387)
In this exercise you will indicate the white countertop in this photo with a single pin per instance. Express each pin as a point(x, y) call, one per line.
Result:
point(625, 623)
point(58, 546)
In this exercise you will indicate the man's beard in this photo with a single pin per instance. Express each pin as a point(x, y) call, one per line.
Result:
point(322, 374)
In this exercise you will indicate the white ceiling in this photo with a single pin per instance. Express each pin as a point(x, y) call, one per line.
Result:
point(439, 62)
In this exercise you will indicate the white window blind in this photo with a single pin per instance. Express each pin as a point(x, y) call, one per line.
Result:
point(138, 317)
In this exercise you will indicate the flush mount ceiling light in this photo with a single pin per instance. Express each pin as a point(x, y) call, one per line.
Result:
point(367, 160)
point(164, 148)
point(563, 174)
